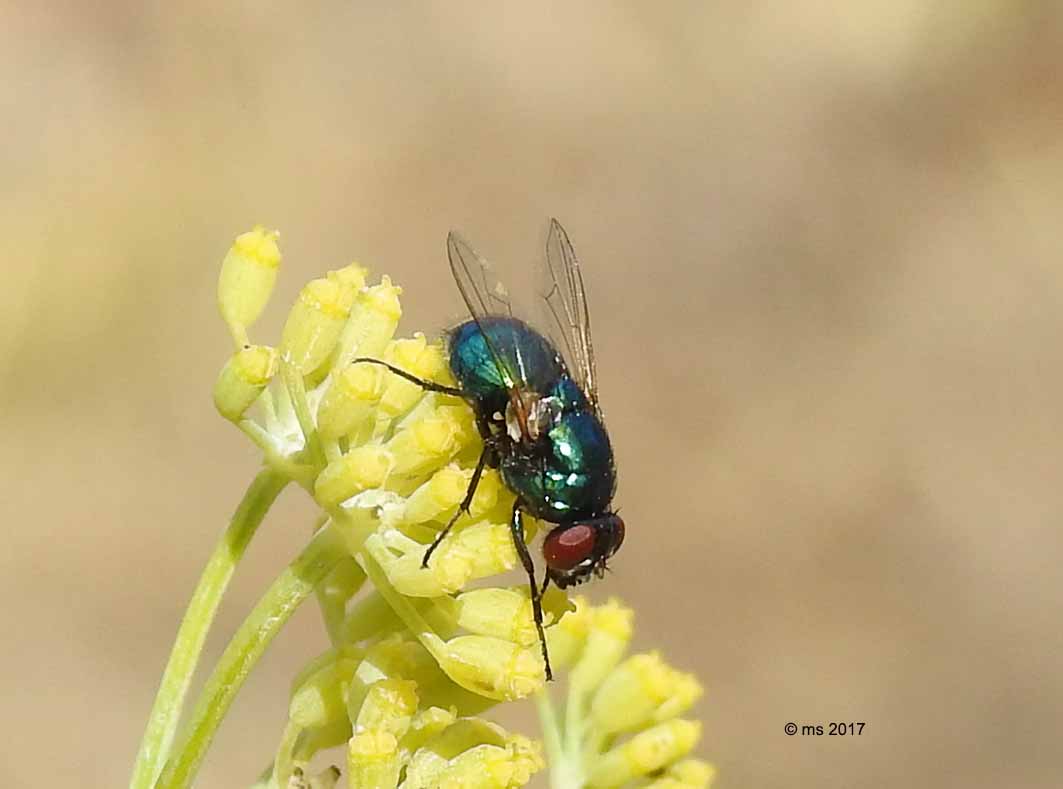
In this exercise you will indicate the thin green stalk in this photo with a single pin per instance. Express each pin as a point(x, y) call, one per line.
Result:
point(166, 712)
point(562, 772)
point(271, 613)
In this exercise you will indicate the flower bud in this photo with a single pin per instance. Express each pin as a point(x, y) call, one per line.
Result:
point(645, 753)
point(487, 495)
point(685, 690)
point(242, 380)
point(633, 693)
point(373, 760)
point(566, 640)
point(443, 491)
point(473, 752)
point(248, 274)
point(395, 657)
point(421, 360)
point(374, 317)
point(432, 440)
point(489, 666)
point(360, 469)
point(426, 725)
point(314, 323)
point(350, 398)
point(351, 277)
point(607, 639)
point(468, 553)
point(373, 752)
point(388, 706)
point(506, 613)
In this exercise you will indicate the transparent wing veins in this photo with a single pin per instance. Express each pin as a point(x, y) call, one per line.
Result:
point(484, 295)
point(566, 300)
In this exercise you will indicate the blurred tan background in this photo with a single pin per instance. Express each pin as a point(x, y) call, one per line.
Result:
point(823, 248)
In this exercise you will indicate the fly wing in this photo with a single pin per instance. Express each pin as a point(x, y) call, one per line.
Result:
point(566, 301)
point(484, 296)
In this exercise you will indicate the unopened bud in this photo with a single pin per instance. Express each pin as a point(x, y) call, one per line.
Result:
point(388, 706)
point(248, 274)
point(360, 469)
point(443, 491)
point(432, 440)
point(489, 666)
point(473, 752)
point(350, 398)
point(645, 753)
point(607, 640)
point(633, 693)
point(421, 360)
point(469, 553)
point(506, 613)
point(373, 760)
point(374, 317)
point(242, 380)
point(314, 323)
point(351, 277)
point(567, 638)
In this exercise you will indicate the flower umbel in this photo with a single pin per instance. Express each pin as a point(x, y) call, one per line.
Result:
point(621, 724)
point(417, 653)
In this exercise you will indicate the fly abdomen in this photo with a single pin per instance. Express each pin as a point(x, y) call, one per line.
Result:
point(573, 476)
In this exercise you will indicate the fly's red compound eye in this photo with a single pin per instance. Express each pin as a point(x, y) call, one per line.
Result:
point(565, 548)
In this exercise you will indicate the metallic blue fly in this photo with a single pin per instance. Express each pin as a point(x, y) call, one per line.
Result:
point(538, 415)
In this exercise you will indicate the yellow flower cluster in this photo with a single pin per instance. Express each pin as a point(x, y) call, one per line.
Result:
point(425, 650)
point(621, 724)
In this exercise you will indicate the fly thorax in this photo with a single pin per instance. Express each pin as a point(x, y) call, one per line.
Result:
point(529, 416)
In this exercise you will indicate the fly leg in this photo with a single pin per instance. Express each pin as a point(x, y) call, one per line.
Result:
point(516, 526)
point(430, 386)
point(463, 508)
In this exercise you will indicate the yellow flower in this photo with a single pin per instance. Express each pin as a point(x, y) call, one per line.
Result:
point(621, 723)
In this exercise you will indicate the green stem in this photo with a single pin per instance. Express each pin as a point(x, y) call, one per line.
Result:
point(271, 613)
point(165, 713)
point(296, 386)
point(335, 592)
point(563, 773)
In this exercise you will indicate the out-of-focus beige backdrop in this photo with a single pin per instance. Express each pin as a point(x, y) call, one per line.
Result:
point(824, 250)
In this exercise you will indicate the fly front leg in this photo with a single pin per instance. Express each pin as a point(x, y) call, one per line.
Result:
point(430, 386)
point(517, 528)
